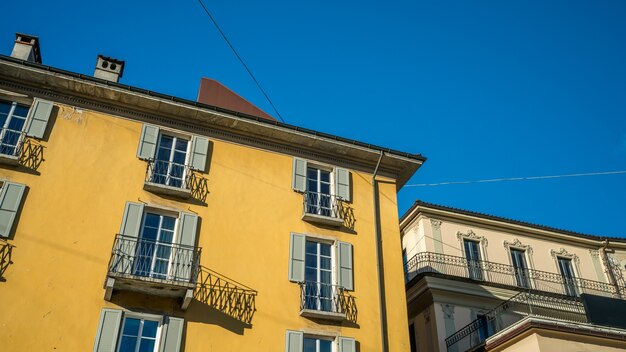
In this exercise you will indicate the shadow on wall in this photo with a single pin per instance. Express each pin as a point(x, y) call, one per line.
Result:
point(5, 258)
point(222, 301)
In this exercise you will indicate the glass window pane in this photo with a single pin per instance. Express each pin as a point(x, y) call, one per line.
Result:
point(5, 107)
point(149, 328)
point(131, 327)
point(21, 111)
point(325, 277)
point(149, 234)
point(163, 154)
point(127, 344)
point(147, 345)
point(168, 223)
point(309, 345)
point(311, 261)
point(325, 176)
point(16, 123)
point(325, 249)
point(166, 142)
point(311, 247)
point(310, 275)
point(181, 145)
point(325, 263)
point(152, 220)
point(179, 158)
point(325, 346)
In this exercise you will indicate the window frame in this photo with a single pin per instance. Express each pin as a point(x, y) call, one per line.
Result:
point(9, 117)
point(334, 275)
point(141, 317)
point(176, 137)
point(160, 212)
point(528, 259)
point(334, 340)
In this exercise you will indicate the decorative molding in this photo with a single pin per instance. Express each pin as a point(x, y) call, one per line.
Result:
point(448, 311)
point(565, 254)
point(470, 235)
point(435, 223)
point(518, 244)
point(594, 253)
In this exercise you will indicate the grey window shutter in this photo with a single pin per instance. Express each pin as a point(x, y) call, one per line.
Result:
point(342, 184)
point(131, 222)
point(347, 344)
point(184, 257)
point(344, 260)
point(148, 142)
point(199, 151)
point(294, 341)
point(38, 117)
point(10, 199)
point(172, 334)
point(296, 257)
point(299, 175)
point(108, 330)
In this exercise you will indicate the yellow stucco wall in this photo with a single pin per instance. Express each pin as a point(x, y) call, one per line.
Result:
point(53, 293)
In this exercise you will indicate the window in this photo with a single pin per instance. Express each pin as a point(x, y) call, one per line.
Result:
point(124, 331)
point(139, 335)
point(567, 272)
point(472, 254)
point(312, 344)
point(297, 341)
point(12, 121)
point(170, 161)
point(412, 340)
point(319, 286)
point(154, 252)
point(485, 327)
point(319, 193)
point(520, 268)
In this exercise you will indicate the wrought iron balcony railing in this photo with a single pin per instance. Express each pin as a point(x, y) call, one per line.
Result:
point(329, 300)
point(149, 260)
point(570, 309)
point(11, 142)
point(176, 179)
point(503, 274)
point(322, 204)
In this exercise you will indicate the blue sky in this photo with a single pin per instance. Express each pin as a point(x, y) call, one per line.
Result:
point(484, 89)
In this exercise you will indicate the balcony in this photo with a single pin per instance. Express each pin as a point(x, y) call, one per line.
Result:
point(325, 301)
point(11, 144)
point(174, 179)
point(520, 306)
point(483, 272)
point(322, 208)
point(152, 267)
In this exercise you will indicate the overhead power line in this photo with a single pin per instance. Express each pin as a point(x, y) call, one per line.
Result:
point(515, 179)
point(240, 59)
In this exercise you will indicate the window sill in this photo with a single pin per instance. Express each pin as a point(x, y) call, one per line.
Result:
point(320, 314)
point(321, 219)
point(167, 190)
point(9, 159)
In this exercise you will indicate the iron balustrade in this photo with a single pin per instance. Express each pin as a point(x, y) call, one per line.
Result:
point(323, 204)
point(503, 274)
point(152, 260)
point(11, 142)
point(169, 174)
point(524, 304)
point(317, 296)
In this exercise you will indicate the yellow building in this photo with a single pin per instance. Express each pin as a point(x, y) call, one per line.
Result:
point(477, 282)
point(137, 221)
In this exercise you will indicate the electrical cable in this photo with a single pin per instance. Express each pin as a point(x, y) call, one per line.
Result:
point(516, 179)
point(240, 60)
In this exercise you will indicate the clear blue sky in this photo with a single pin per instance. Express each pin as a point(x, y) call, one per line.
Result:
point(484, 89)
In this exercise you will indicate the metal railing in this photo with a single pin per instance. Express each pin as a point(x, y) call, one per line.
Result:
point(11, 142)
point(522, 305)
point(322, 204)
point(327, 298)
point(151, 260)
point(503, 274)
point(169, 174)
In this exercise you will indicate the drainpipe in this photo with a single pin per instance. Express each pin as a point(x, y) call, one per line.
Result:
point(379, 257)
point(609, 266)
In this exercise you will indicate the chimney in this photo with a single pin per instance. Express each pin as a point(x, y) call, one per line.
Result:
point(26, 48)
point(109, 68)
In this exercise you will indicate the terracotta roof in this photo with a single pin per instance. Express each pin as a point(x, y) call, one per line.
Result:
point(419, 203)
point(214, 93)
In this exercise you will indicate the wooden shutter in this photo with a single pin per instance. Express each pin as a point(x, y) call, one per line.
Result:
point(10, 199)
point(296, 257)
point(344, 261)
point(294, 341)
point(199, 152)
point(108, 330)
point(299, 175)
point(126, 246)
point(148, 142)
point(131, 222)
point(38, 117)
point(346, 344)
point(184, 256)
point(172, 334)
point(342, 184)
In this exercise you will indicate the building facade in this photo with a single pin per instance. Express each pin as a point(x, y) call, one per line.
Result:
point(480, 282)
point(136, 221)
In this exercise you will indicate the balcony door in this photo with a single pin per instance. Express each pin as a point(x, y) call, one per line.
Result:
point(169, 166)
point(567, 272)
point(318, 288)
point(154, 250)
point(472, 254)
point(520, 268)
point(12, 121)
point(318, 192)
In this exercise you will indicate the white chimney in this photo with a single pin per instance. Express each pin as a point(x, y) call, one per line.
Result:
point(26, 48)
point(109, 68)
